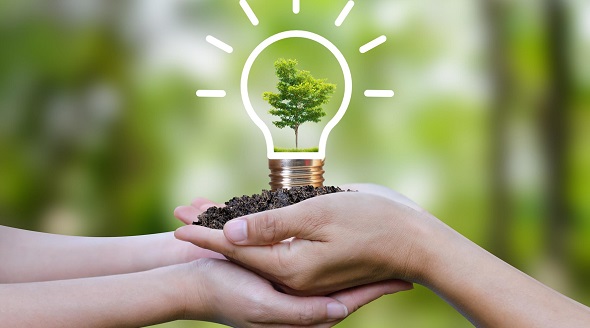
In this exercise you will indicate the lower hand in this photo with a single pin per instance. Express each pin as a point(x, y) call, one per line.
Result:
point(187, 215)
point(220, 291)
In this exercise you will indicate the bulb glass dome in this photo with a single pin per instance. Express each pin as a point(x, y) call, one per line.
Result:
point(321, 154)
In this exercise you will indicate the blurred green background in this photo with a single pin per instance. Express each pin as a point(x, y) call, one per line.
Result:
point(101, 133)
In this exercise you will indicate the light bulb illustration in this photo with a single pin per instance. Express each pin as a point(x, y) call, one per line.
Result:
point(290, 169)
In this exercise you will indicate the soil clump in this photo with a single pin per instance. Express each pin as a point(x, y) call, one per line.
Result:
point(216, 217)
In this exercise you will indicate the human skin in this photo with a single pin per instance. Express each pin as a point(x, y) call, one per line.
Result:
point(30, 256)
point(349, 239)
point(206, 289)
point(65, 281)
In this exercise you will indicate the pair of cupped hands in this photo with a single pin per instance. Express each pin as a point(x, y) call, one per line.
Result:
point(312, 263)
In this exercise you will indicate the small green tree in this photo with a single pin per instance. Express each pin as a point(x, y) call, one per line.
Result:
point(300, 97)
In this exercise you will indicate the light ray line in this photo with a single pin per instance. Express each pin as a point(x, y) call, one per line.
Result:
point(344, 13)
point(248, 10)
point(375, 43)
point(219, 44)
point(296, 6)
point(210, 93)
point(379, 93)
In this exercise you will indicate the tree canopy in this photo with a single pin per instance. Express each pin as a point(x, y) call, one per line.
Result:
point(300, 97)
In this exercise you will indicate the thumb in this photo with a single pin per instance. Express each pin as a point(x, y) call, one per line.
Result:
point(268, 228)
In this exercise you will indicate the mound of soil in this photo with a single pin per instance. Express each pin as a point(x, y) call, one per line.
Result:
point(216, 217)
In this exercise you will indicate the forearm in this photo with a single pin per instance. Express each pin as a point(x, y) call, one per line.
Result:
point(492, 293)
point(130, 300)
point(32, 256)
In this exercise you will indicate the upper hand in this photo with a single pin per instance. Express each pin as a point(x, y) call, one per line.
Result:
point(341, 240)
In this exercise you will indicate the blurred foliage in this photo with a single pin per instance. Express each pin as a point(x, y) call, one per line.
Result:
point(101, 134)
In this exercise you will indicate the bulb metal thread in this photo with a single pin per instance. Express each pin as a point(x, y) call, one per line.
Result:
point(288, 173)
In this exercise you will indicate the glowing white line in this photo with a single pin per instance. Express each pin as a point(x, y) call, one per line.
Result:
point(344, 13)
point(379, 93)
point(210, 93)
point(219, 44)
point(375, 43)
point(296, 6)
point(249, 12)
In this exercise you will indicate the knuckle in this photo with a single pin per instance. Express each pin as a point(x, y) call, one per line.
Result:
point(285, 272)
point(317, 214)
point(288, 269)
point(205, 264)
point(258, 311)
point(282, 264)
point(267, 227)
point(307, 314)
point(298, 282)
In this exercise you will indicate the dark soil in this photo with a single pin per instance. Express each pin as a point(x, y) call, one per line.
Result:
point(216, 217)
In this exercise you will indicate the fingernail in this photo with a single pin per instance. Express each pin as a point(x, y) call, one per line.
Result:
point(337, 311)
point(236, 230)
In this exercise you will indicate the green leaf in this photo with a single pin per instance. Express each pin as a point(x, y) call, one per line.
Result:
point(300, 96)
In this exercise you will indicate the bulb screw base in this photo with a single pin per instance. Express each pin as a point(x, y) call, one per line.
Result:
point(288, 173)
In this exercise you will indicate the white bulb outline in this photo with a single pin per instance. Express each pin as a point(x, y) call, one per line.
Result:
point(321, 154)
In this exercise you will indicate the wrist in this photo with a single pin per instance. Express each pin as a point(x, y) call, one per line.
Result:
point(193, 291)
point(165, 250)
point(442, 253)
point(417, 252)
point(152, 297)
point(172, 250)
point(172, 290)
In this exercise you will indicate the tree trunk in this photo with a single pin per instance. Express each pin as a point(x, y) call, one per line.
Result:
point(554, 127)
point(501, 207)
point(297, 137)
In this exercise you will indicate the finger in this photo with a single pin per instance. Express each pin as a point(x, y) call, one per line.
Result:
point(187, 214)
point(200, 253)
point(202, 204)
point(301, 311)
point(356, 297)
point(264, 258)
point(270, 227)
point(203, 237)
